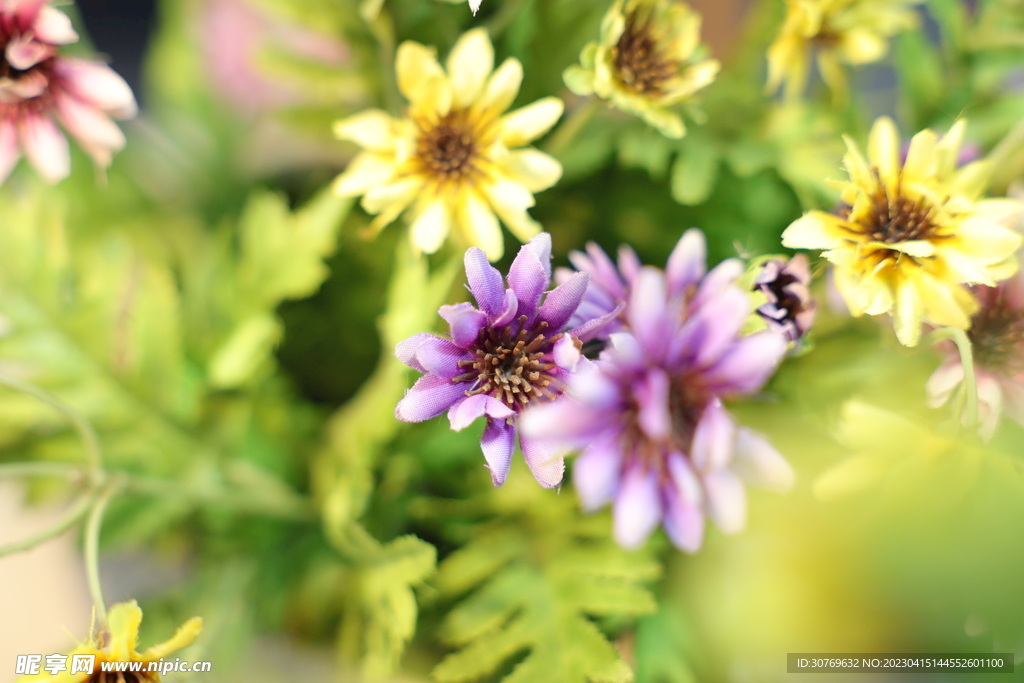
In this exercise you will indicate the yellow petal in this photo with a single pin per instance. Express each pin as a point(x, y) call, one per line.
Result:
point(469, 64)
point(371, 129)
point(998, 210)
point(479, 224)
point(948, 149)
point(502, 87)
point(862, 46)
point(987, 240)
point(916, 248)
point(884, 149)
point(398, 193)
point(183, 637)
point(532, 169)
point(921, 156)
point(364, 172)
point(421, 79)
point(943, 304)
point(668, 123)
point(431, 227)
point(857, 166)
point(908, 311)
point(972, 179)
point(123, 620)
point(528, 123)
point(520, 224)
point(815, 230)
point(579, 80)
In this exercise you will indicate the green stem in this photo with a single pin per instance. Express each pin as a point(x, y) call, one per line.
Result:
point(90, 441)
point(92, 547)
point(73, 515)
point(970, 384)
point(571, 127)
point(506, 13)
point(65, 470)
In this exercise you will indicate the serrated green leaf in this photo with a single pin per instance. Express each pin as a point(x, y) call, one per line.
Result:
point(540, 601)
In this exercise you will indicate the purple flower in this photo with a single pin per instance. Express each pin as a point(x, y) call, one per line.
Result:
point(656, 439)
point(790, 310)
point(510, 353)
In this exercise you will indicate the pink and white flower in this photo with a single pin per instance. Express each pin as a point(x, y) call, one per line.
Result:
point(39, 86)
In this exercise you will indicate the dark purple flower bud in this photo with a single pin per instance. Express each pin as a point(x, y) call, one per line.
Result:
point(790, 310)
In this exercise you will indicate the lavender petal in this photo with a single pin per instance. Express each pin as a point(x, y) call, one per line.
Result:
point(637, 508)
point(466, 323)
point(562, 302)
point(498, 443)
point(428, 398)
point(687, 262)
point(543, 460)
point(485, 282)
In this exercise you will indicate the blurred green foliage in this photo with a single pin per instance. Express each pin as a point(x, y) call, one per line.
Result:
point(223, 321)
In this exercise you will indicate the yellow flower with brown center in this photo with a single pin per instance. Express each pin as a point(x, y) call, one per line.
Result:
point(456, 159)
point(835, 32)
point(911, 236)
point(117, 643)
point(647, 60)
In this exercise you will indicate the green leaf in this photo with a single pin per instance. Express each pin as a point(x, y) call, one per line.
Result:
point(920, 70)
point(384, 589)
point(549, 574)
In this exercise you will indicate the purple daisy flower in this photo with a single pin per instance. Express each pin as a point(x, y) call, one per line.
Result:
point(790, 310)
point(656, 439)
point(610, 285)
point(510, 353)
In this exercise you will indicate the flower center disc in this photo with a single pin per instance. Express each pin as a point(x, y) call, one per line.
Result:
point(448, 147)
point(997, 335)
point(511, 369)
point(638, 61)
point(897, 218)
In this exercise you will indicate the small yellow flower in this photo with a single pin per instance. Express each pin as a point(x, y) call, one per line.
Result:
point(911, 236)
point(839, 32)
point(456, 159)
point(117, 644)
point(646, 61)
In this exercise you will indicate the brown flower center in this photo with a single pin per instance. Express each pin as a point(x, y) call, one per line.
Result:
point(639, 61)
point(448, 147)
point(894, 217)
point(511, 368)
point(997, 333)
point(686, 402)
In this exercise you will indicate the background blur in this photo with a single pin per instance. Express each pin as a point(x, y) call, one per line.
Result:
point(238, 96)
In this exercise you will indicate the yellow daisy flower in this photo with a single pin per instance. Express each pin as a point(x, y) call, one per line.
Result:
point(646, 61)
point(912, 235)
point(456, 159)
point(117, 644)
point(838, 32)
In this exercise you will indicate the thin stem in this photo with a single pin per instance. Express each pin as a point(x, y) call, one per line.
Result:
point(90, 441)
point(571, 127)
point(92, 545)
point(501, 21)
point(73, 515)
point(65, 470)
point(963, 344)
